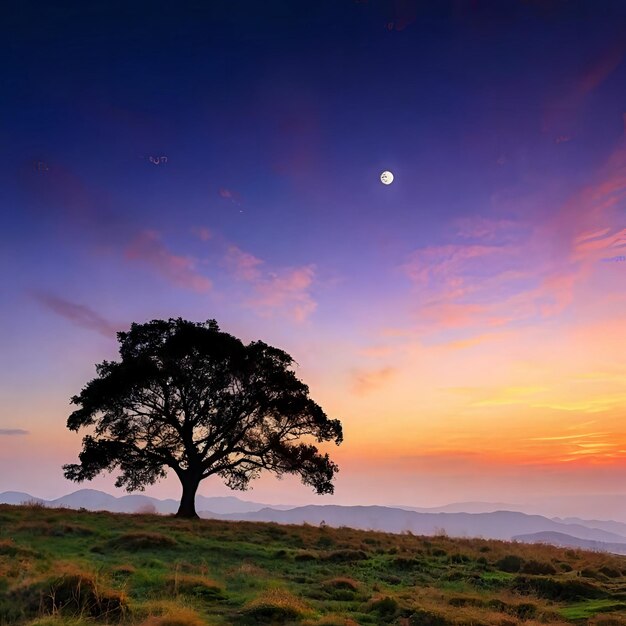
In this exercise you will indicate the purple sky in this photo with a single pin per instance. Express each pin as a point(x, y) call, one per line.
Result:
point(466, 323)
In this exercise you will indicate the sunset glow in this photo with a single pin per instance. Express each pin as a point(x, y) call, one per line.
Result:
point(466, 323)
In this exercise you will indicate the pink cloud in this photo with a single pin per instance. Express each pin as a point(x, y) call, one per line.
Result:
point(245, 266)
point(366, 381)
point(287, 290)
point(497, 272)
point(78, 314)
point(148, 249)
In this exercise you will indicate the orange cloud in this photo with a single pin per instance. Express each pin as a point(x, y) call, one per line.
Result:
point(148, 249)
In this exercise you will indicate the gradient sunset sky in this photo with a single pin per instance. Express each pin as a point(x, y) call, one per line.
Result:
point(467, 323)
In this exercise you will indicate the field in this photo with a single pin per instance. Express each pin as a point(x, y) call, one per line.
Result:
point(69, 568)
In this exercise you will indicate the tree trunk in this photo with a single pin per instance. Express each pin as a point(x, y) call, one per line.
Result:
point(187, 506)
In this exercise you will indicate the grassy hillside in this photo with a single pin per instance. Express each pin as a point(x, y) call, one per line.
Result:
point(61, 567)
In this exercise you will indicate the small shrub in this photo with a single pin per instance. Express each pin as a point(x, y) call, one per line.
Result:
point(142, 541)
point(610, 572)
point(404, 563)
point(538, 567)
point(510, 563)
point(385, 607)
point(422, 617)
point(325, 542)
point(458, 558)
point(558, 590)
point(465, 601)
point(525, 610)
point(305, 556)
point(346, 556)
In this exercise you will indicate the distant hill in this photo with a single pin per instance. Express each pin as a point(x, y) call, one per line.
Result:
point(17, 497)
point(567, 541)
point(94, 500)
point(464, 507)
point(496, 525)
point(613, 527)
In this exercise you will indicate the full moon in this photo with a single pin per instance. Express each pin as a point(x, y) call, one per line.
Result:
point(386, 178)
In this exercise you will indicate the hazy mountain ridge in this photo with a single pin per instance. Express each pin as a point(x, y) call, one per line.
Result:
point(497, 525)
point(94, 500)
point(567, 541)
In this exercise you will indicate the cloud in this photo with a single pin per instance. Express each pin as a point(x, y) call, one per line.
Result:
point(498, 272)
point(244, 266)
point(366, 381)
point(148, 249)
point(10, 432)
point(78, 314)
point(286, 290)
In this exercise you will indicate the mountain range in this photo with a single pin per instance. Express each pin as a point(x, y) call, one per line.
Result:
point(94, 500)
point(567, 541)
point(482, 520)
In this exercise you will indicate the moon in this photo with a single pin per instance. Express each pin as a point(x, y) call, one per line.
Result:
point(386, 178)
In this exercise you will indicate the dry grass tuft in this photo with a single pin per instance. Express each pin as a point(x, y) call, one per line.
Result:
point(142, 541)
point(341, 582)
point(192, 585)
point(175, 617)
point(71, 591)
point(277, 605)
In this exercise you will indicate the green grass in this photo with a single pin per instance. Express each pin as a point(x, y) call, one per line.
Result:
point(590, 608)
point(73, 568)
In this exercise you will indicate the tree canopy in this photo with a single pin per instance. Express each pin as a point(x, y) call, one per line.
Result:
point(193, 399)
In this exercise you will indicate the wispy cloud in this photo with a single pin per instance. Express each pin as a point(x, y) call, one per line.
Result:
point(10, 432)
point(289, 290)
point(78, 314)
point(366, 381)
point(149, 249)
point(244, 266)
point(285, 290)
point(496, 272)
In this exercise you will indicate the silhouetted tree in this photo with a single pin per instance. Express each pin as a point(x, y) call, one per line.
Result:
point(191, 398)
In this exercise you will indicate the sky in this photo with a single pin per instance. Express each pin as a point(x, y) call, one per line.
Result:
point(221, 160)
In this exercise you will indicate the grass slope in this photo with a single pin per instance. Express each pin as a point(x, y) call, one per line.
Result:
point(71, 568)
